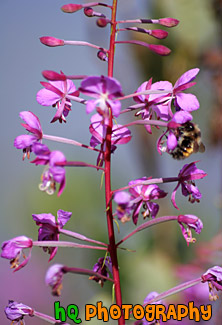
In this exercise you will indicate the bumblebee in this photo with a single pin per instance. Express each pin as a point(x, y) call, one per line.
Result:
point(188, 141)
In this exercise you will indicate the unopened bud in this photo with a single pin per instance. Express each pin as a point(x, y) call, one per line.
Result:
point(159, 33)
point(88, 12)
point(53, 76)
point(102, 22)
point(102, 55)
point(51, 41)
point(159, 49)
point(168, 22)
point(70, 8)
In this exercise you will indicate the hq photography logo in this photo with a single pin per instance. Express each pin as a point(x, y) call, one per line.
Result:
point(150, 313)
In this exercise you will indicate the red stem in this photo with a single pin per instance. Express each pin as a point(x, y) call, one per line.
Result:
point(108, 193)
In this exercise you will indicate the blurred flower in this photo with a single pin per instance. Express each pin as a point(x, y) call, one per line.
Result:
point(54, 173)
point(192, 222)
point(125, 205)
point(54, 277)
point(54, 94)
point(103, 267)
point(214, 278)
point(49, 228)
point(198, 293)
point(16, 311)
point(12, 249)
point(104, 89)
point(32, 125)
point(187, 175)
point(148, 298)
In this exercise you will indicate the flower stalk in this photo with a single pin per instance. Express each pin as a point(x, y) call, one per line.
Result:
point(108, 193)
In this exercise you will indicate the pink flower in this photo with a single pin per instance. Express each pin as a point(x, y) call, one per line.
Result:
point(104, 90)
point(214, 278)
point(142, 196)
point(182, 101)
point(54, 277)
point(192, 222)
point(32, 125)
point(15, 311)
point(13, 249)
point(151, 109)
point(54, 173)
point(49, 228)
point(55, 93)
point(187, 175)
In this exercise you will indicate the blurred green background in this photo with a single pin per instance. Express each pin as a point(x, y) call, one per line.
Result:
point(195, 42)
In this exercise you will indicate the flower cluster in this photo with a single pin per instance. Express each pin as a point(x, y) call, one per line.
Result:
point(49, 228)
point(139, 196)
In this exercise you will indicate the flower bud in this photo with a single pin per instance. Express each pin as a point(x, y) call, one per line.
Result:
point(88, 12)
point(70, 8)
point(159, 33)
point(102, 22)
point(159, 49)
point(102, 55)
point(53, 76)
point(15, 311)
point(51, 41)
point(168, 22)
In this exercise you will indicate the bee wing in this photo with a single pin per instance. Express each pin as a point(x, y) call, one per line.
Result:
point(198, 147)
point(201, 147)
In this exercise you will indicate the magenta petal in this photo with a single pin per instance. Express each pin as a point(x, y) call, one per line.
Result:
point(24, 141)
point(95, 86)
point(94, 141)
point(161, 85)
point(115, 106)
point(187, 102)
point(187, 77)
point(182, 117)
point(171, 141)
point(162, 111)
point(41, 149)
point(44, 218)
point(91, 86)
point(113, 86)
point(145, 86)
point(90, 106)
point(53, 253)
point(122, 197)
point(58, 173)
point(159, 143)
point(136, 212)
point(47, 97)
point(70, 86)
point(62, 186)
point(59, 111)
point(31, 119)
point(55, 157)
point(173, 196)
point(121, 136)
point(63, 217)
